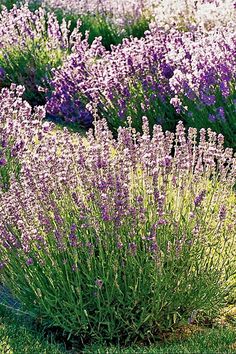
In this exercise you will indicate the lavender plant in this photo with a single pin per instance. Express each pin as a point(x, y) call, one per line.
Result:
point(19, 127)
point(120, 239)
point(165, 75)
point(111, 20)
point(186, 14)
point(32, 43)
point(101, 25)
point(123, 14)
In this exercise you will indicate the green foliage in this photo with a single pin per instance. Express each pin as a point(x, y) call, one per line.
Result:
point(18, 336)
point(137, 28)
point(97, 25)
point(139, 100)
point(30, 66)
point(104, 26)
point(8, 3)
point(196, 115)
point(137, 103)
point(33, 5)
point(104, 292)
point(8, 170)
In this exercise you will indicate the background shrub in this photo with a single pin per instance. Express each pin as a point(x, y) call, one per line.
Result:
point(164, 75)
point(101, 25)
point(20, 127)
point(32, 44)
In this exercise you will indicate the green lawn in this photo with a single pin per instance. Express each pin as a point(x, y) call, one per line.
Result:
point(18, 337)
point(210, 341)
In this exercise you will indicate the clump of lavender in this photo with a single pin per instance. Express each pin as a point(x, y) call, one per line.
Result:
point(121, 13)
point(125, 226)
point(20, 128)
point(110, 19)
point(32, 43)
point(65, 100)
point(187, 14)
point(165, 75)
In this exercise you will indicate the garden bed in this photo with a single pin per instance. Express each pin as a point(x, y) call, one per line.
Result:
point(118, 170)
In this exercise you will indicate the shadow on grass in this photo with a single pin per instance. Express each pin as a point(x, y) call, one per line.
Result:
point(18, 335)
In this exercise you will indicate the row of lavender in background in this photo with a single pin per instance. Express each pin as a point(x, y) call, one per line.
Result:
point(167, 75)
point(184, 14)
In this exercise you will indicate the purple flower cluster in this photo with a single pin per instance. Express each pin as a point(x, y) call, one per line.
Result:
point(119, 12)
point(191, 13)
point(198, 200)
point(20, 128)
point(32, 44)
point(19, 26)
point(125, 190)
point(182, 69)
point(65, 100)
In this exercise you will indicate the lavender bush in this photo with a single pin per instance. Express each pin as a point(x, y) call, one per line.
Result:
point(32, 43)
point(123, 13)
point(101, 25)
point(19, 127)
point(109, 19)
point(186, 14)
point(165, 75)
point(120, 239)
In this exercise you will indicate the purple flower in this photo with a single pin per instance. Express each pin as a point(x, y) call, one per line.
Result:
point(133, 248)
point(188, 56)
point(4, 143)
point(162, 222)
point(212, 118)
point(46, 127)
point(2, 73)
point(3, 161)
point(166, 162)
point(221, 113)
point(154, 247)
point(167, 71)
point(73, 228)
point(222, 213)
point(29, 261)
point(73, 236)
point(119, 245)
point(208, 100)
point(14, 152)
point(198, 200)
point(176, 102)
point(224, 87)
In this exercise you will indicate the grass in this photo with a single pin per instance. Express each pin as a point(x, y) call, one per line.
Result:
point(17, 336)
point(210, 341)
point(20, 336)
